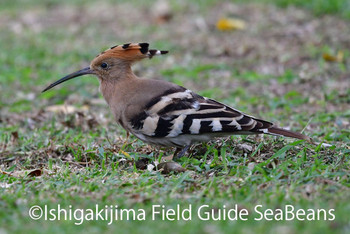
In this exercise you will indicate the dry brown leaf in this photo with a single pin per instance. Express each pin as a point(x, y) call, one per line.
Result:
point(29, 173)
point(167, 158)
point(66, 109)
point(167, 167)
point(245, 147)
point(251, 166)
point(142, 163)
point(14, 136)
point(5, 173)
point(35, 173)
point(161, 11)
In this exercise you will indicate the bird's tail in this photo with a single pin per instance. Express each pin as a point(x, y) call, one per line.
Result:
point(287, 133)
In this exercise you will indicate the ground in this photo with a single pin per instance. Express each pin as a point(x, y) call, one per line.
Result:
point(288, 65)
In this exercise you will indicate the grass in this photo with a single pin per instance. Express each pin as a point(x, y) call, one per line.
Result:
point(63, 148)
point(320, 7)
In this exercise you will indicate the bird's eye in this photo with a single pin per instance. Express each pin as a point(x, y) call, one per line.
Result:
point(104, 65)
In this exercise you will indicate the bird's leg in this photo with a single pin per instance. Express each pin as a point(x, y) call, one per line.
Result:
point(177, 150)
point(126, 141)
point(127, 136)
point(183, 151)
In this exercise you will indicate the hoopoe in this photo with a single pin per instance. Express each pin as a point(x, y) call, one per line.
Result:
point(162, 113)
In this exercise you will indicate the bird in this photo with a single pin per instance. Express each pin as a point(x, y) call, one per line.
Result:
point(163, 113)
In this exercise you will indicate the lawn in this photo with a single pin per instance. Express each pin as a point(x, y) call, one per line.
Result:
point(290, 64)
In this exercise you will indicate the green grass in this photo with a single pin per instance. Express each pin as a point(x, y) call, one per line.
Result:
point(235, 181)
point(86, 159)
point(320, 7)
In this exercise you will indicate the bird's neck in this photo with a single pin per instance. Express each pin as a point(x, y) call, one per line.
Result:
point(115, 90)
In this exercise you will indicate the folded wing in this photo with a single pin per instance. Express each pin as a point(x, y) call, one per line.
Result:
point(179, 111)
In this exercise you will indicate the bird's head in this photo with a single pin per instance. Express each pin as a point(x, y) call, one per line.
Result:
point(112, 62)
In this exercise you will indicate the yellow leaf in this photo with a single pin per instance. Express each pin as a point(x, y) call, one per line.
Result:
point(331, 58)
point(340, 56)
point(225, 24)
point(125, 154)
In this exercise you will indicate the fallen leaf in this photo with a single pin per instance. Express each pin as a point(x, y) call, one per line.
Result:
point(251, 166)
point(125, 154)
point(167, 167)
point(66, 109)
point(225, 24)
point(137, 198)
point(161, 11)
point(245, 147)
point(14, 136)
point(334, 58)
point(5, 173)
point(167, 158)
point(142, 163)
point(340, 56)
point(29, 173)
point(34, 173)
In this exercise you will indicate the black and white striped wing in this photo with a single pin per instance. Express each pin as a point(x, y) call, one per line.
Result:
point(180, 112)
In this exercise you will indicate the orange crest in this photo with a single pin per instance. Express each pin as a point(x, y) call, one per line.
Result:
point(130, 52)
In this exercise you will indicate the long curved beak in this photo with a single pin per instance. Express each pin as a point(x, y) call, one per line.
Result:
point(81, 72)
